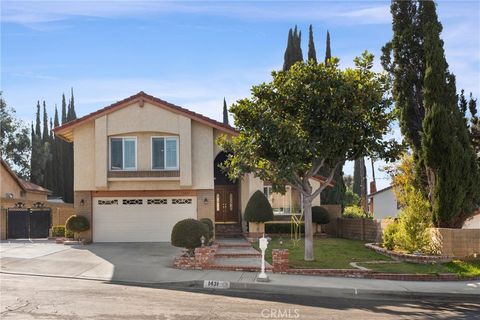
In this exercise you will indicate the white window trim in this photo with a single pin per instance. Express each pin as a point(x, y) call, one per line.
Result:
point(165, 153)
point(123, 152)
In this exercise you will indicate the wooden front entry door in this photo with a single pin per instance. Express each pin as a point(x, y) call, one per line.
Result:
point(226, 204)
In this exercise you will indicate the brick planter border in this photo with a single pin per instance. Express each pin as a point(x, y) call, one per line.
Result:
point(281, 265)
point(413, 258)
point(204, 257)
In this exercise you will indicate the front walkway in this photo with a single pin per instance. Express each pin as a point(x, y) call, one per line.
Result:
point(237, 254)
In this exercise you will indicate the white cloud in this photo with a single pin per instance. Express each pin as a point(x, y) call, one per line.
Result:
point(32, 13)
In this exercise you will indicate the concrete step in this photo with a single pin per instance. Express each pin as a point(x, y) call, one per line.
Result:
point(237, 252)
point(249, 264)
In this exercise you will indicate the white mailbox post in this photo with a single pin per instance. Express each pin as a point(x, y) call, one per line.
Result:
point(263, 244)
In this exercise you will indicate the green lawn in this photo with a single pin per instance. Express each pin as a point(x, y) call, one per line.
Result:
point(336, 253)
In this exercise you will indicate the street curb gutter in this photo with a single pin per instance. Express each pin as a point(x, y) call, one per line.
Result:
point(239, 287)
point(349, 293)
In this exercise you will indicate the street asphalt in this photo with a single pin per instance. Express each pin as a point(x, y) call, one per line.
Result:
point(37, 297)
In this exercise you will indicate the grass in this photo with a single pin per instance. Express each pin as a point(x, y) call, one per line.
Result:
point(336, 253)
point(330, 253)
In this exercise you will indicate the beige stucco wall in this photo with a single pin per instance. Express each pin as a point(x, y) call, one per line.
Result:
point(33, 196)
point(8, 184)
point(84, 157)
point(91, 149)
point(202, 156)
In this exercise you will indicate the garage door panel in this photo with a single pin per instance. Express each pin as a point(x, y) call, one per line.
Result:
point(139, 219)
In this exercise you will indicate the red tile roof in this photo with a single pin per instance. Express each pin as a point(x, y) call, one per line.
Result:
point(142, 97)
point(25, 185)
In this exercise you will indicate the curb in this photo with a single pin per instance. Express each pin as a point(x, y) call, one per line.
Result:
point(345, 293)
point(268, 288)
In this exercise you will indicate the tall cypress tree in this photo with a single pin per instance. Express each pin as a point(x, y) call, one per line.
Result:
point(287, 58)
point(33, 155)
point(474, 126)
point(68, 152)
point(38, 131)
point(359, 178)
point(450, 162)
point(225, 112)
point(45, 131)
point(328, 52)
point(64, 109)
point(293, 52)
point(404, 58)
point(312, 54)
point(58, 159)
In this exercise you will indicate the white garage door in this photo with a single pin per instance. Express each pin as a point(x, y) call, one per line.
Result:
point(139, 219)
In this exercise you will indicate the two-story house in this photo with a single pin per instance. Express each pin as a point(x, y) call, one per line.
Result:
point(142, 164)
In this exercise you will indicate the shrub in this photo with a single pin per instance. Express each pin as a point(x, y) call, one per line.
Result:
point(69, 234)
point(187, 234)
point(320, 215)
point(389, 234)
point(209, 224)
point(351, 198)
point(58, 231)
point(411, 230)
point(258, 208)
point(271, 228)
point(76, 224)
point(354, 212)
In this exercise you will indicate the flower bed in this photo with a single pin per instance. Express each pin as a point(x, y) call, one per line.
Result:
point(406, 257)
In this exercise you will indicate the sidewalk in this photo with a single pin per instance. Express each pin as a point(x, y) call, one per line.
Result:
point(150, 264)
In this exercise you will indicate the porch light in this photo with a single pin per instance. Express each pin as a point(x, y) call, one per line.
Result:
point(202, 239)
point(82, 202)
point(205, 201)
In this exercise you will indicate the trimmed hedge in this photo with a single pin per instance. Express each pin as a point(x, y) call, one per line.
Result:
point(58, 231)
point(76, 224)
point(187, 233)
point(320, 215)
point(258, 208)
point(286, 228)
point(209, 224)
point(61, 231)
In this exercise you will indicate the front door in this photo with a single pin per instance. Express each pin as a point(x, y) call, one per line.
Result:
point(226, 204)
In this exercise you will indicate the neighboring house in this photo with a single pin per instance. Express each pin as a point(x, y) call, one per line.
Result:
point(142, 164)
point(384, 203)
point(13, 187)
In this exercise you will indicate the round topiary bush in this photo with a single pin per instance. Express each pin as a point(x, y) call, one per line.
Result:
point(258, 208)
point(187, 234)
point(209, 224)
point(320, 215)
point(77, 224)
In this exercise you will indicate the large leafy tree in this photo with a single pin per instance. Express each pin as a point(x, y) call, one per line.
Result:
point(306, 118)
point(450, 161)
point(337, 193)
point(14, 140)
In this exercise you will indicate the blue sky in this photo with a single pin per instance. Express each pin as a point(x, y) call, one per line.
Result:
point(193, 53)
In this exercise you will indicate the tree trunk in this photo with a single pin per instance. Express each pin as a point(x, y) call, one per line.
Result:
point(307, 211)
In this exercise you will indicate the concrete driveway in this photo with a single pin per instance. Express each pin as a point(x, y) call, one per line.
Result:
point(135, 262)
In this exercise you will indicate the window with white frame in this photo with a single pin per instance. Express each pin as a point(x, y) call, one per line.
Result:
point(165, 153)
point(123, 153)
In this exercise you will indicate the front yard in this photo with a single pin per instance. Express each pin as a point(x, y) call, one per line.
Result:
point(336, 253)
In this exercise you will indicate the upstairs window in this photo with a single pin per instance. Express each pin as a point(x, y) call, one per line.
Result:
point(165, 153)
point(123, 153)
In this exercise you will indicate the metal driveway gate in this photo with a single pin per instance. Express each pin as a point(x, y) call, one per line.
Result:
point(28, 223)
